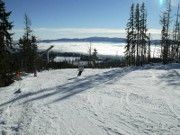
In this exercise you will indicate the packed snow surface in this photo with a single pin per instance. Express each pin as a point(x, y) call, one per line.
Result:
point(120, 101)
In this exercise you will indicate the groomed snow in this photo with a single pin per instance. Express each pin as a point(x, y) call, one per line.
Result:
point(121, 101)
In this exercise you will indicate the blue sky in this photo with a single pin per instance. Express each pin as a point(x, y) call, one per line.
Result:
point(53, 19)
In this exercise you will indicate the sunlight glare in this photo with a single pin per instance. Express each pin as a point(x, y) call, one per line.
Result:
point(161, 2)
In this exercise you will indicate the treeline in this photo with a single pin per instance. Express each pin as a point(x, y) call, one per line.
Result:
point(138, 47)
point(137, 50)
point(138, 40)
point(11, 60)
point(170, 37)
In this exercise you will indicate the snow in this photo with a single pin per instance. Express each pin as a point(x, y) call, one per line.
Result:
point(113, 49)
point(116, 101)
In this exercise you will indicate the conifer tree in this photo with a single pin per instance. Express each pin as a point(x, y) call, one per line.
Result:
point(5, 44)
point(149, 48)
point(130, 47)
point(143, 34)
point(127, 47)
point(165, 34)
point(176, 39)
point(94, 57)
point(28, 47)
point(137, 32)
point(178, 44)
point(137, 39)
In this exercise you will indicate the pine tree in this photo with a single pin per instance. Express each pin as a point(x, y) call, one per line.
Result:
point(94, 57)
point(176, 40)
point(130, 47)
point(90, 55)
point(143, 34)
point(149, 48)
point(28, 47)
point(137, 32)
point(178, 44)
point(27, 28)
point(6, 70)
point(137, 38)
point(127, 47)
point(165, 34)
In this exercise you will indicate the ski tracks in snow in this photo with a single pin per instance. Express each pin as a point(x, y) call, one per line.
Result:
point(113, 102)
point(171, 78)
point(139, 111)
point(14, 118)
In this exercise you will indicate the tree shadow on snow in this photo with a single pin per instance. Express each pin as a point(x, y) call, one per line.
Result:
point(72, 88)
point(172, 78)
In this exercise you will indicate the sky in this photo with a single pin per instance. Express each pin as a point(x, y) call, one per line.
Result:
point(52, 19)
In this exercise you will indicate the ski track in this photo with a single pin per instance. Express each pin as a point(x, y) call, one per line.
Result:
point(129, 101)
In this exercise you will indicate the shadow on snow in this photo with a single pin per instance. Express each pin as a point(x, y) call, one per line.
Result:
point(72, 88)
point(79, 85)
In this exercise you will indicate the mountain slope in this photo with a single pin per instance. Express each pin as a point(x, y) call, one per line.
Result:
point(102, 101)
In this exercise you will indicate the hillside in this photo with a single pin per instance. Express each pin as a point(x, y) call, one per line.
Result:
point(117, 101)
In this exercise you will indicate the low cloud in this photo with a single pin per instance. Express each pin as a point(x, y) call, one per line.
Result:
point(56, 33)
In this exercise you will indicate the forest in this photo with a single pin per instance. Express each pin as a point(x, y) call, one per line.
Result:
point(24, 56)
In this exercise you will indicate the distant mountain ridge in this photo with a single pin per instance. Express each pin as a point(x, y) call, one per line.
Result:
point(92, 39)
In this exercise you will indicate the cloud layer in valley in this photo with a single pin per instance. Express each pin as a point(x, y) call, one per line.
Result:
point(57, 33)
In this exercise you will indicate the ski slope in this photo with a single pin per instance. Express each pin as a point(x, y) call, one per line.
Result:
point(120, 101)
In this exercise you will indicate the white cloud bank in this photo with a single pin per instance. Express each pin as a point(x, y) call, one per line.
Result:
point(57, 33)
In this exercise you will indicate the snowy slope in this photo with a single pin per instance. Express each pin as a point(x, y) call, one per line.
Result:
point(121, 101)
